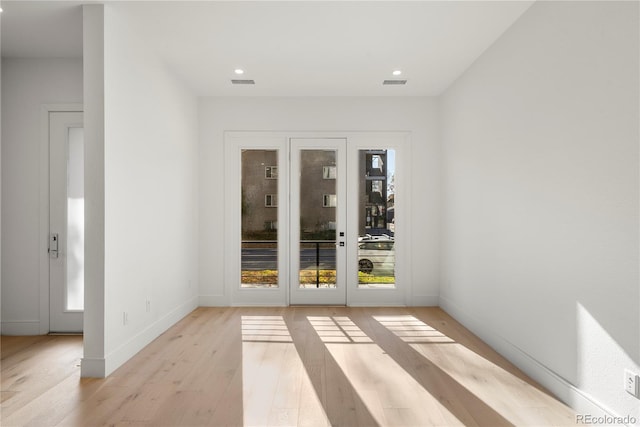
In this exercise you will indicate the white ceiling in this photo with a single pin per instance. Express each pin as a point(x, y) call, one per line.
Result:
point(33, 29)
point(295, 48)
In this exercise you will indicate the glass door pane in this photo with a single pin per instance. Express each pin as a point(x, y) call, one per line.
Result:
point(259, 210)
point(318, 213)
point(75, 220)
point(376, 216)
point(317, 219)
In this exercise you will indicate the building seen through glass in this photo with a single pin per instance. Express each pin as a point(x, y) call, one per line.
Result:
point(375, 191)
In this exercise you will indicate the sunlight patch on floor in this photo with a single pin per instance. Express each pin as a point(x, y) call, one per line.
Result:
point(507, 394)
point(409, 329)
point(493, 385)
point(276, 389)
point(265, 328)
point(338, 329)
point(391, 395)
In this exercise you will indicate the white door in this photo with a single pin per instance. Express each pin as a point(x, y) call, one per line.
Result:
point(66, 221)
point(317, 230)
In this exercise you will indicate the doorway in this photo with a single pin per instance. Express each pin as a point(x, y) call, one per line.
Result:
point(66, 221)
point(311, 219)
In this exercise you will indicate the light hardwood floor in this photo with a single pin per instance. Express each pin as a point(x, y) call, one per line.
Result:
point(296, 366)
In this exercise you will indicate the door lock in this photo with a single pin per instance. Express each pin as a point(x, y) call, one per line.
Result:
point(53, 245)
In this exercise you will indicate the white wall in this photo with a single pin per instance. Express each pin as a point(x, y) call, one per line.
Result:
point(93, 360)
point(416, 115)
point(150, 194)
point(27, 84)
point(0, 184)
point(540, 198)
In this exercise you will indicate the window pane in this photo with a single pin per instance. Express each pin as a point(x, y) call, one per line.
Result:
point(75, 220)
point(317, 219)
point(259, 259)
point(271, 200)
point(376, 241)
point(271, 172)
point(329, 201)
point(329, 172)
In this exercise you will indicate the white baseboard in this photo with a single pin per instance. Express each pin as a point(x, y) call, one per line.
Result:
point(573, 397)
point(213, 301)
point(372, 304)
point(258, 304)
point(424, 301)
point(126, 351)
point(222, 301)
point(27, 327)
point(92, 367)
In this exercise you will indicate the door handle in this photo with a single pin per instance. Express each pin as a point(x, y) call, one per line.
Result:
point(53, 245)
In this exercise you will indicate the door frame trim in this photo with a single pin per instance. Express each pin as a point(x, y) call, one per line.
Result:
point(43, 233)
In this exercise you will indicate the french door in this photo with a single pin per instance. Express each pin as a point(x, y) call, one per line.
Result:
point(311, 220)
point(318, 206)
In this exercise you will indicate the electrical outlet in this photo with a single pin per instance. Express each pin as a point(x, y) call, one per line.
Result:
point(125, 318)
point(631, 383)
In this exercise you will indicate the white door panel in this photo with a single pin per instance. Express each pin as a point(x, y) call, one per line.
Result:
point(66, 221)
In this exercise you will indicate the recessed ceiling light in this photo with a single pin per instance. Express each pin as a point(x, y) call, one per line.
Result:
point(397, 72)
point(238, 71)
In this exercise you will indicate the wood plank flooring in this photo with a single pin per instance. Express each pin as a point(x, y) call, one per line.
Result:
point(295, 366)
